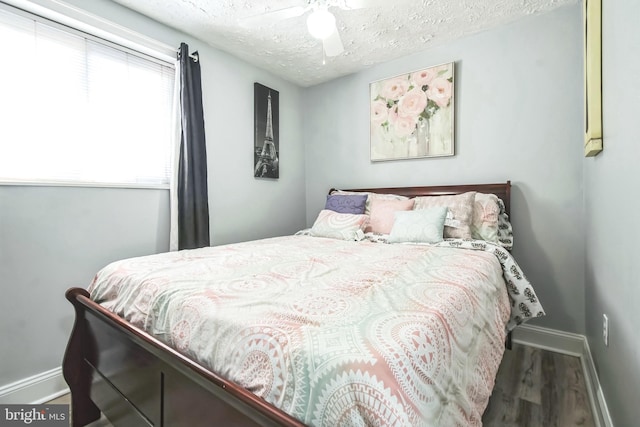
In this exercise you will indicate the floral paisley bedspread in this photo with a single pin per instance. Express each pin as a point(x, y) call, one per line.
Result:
point(334, 333)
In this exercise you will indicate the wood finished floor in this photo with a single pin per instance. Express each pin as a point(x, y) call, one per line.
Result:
point(534, 388)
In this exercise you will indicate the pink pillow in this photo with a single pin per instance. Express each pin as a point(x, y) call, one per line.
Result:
point(383, 214)
point(459, 216)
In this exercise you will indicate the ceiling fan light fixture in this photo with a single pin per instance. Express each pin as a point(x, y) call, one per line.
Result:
point(321, 23)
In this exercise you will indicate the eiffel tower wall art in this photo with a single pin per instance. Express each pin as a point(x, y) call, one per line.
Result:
point(266, 134)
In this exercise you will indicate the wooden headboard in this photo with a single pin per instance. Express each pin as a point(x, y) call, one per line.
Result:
point(503, 191)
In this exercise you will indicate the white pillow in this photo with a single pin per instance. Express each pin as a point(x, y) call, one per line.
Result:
point(419, 226)
point(341, 226)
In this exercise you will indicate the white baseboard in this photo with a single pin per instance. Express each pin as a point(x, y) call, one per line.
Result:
point(573, 345)
point(34, 390)
point(550, 339)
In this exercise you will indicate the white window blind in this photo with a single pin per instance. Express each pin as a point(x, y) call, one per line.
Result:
point(74, 109)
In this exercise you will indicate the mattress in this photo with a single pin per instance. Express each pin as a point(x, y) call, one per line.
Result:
point(335, 332)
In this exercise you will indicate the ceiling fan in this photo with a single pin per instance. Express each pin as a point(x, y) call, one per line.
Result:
point(321, 23)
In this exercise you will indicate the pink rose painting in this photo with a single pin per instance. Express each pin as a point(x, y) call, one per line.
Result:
point(412, 115)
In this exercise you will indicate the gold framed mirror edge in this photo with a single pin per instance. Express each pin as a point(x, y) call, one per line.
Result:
point(593, 77)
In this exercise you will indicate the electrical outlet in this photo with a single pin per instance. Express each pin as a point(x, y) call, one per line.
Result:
point(605, 329)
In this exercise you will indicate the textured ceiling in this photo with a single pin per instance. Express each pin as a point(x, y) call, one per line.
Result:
point(384, 30)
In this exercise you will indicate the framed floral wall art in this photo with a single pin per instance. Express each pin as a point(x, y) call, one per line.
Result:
point(412, 115)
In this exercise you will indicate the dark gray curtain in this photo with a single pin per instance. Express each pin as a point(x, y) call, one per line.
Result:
point(193, 201)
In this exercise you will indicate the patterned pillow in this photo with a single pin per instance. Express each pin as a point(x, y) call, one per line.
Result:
point(372, 196)
point(419, 226)
point(458, 221)
point(383, 214)
point(505, 231)
point(346, 203)
point(484, 225)
point(337, 225)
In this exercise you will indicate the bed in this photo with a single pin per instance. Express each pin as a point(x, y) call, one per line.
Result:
point(335, 332)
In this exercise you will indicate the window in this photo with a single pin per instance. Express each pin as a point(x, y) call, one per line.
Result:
point(75, 109)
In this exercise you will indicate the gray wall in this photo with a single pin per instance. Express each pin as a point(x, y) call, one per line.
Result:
point(518, 117)
point(611, 187)
point(52, 238)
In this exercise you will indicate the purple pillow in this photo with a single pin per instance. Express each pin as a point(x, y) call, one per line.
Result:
point(346, 203)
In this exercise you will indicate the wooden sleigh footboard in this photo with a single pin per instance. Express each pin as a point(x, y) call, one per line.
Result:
point(136, 380)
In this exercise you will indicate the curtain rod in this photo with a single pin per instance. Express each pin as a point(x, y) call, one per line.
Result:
point(195, 56)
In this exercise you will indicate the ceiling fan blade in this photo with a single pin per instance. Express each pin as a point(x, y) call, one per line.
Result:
point(273, 16)
point(333, 44)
